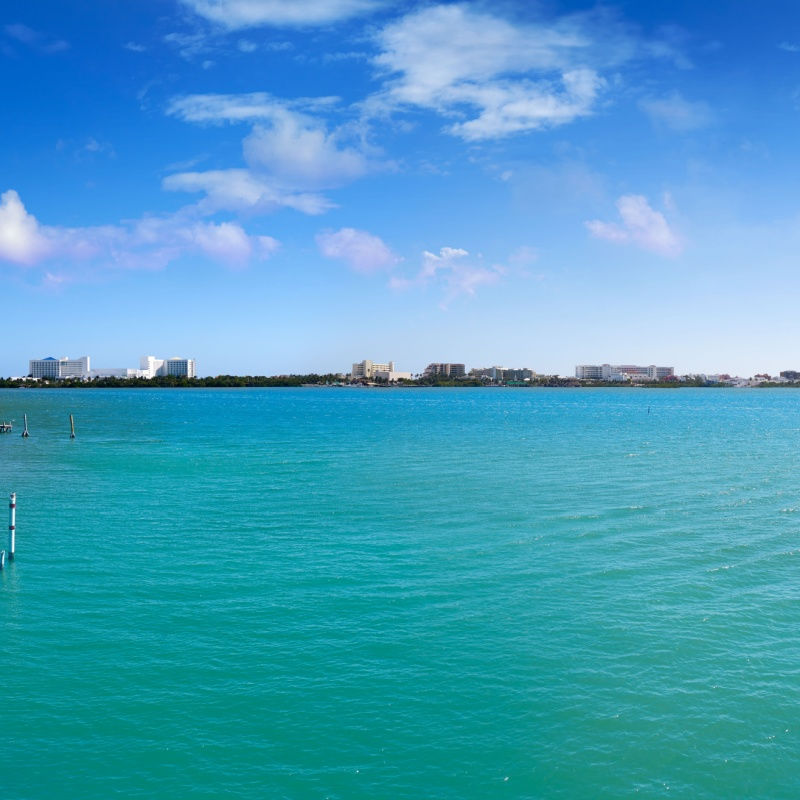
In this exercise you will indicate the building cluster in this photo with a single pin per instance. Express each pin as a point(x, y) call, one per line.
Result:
point(80, 368)
point(373, 371)
point(623, 372)
point(503, 374)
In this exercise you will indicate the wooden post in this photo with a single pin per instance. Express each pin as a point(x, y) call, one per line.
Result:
point(71, 427)
point(12, 525)
point(25, 433)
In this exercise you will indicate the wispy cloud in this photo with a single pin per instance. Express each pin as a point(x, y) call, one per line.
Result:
point(34, 39)
point(247, 107)
point(790, 47)
point(190, 45)
point(87, 148)
point(238, 14)
point(243, 191)
point(147, 243)
point(453, 271)
point(641, 225)
point(677, 113)
point(362, 251)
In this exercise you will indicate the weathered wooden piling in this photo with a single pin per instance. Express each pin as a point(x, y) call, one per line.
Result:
point(2, 558)
point(71, 427)
point(25, 433)
point(12, 525)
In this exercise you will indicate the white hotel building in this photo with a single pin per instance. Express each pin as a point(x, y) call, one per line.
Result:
point(55, 368)
point(149, 367)
point(152, 367)
point(623, 372)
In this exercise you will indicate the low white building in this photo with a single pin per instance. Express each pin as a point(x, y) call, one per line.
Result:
point(114, 372)
point(392, 375)
point(623, 372)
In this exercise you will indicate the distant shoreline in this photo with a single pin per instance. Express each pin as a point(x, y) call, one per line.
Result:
point(332, 381)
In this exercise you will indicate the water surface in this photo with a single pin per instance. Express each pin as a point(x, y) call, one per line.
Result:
point(344, 593)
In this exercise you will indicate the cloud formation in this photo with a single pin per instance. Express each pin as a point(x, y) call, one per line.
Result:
point(290, 156)
point(216, 109)
point(453, 271)
point(238, 14)
point(677, 113)
point(494, 76)
point(641, 225)
point(146, 243)
point(363, 252)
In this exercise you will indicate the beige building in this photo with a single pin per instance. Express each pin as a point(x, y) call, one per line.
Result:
point(370, 370)
point(445, 370)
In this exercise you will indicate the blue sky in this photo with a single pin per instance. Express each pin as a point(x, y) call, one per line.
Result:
point(273, 185)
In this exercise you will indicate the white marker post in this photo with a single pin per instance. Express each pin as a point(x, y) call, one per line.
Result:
point(12, 525)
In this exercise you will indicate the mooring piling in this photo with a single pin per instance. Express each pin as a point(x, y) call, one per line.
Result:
point(2, 558)
point(71, 427)
point(12, 525)
point(25, 433)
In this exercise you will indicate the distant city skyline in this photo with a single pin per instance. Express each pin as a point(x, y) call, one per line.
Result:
point(150, 366)
point(273, 185)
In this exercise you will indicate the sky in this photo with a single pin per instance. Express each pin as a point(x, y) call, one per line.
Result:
point(289, 186)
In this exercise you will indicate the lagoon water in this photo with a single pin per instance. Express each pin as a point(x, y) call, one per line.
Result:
point(344, 593)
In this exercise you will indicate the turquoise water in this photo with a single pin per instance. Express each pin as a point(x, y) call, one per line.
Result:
point(343, 593)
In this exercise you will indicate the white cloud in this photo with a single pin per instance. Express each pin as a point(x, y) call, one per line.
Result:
point(641, 225)
point(453, 271)
point(302, 154)
point(289, 155)
point(246, 107)
point(361, 250)
point(677, 113)
point(237, 14)
point(149, 242)
point(496, 77)
point(503, 77)
point(242, 191)
point(21, 238)
point(790, 47)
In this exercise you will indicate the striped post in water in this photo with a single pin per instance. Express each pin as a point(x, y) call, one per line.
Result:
point(12, 525)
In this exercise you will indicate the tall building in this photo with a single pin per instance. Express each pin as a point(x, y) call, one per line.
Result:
point(59, 368)
point(623, 372)
point(152, 367)
point(445, 370)
point(182, 367)
point(149, 366)
point(365, 370)
point(370, 370)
